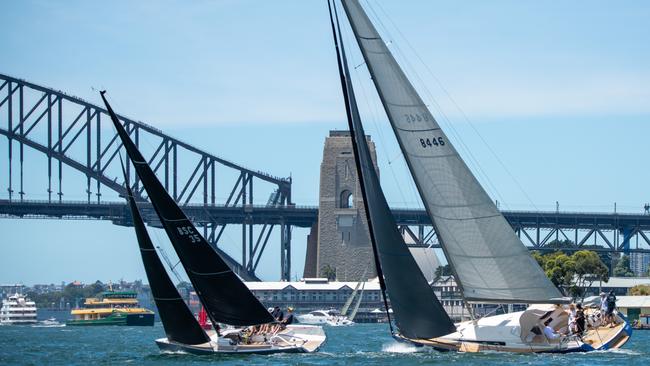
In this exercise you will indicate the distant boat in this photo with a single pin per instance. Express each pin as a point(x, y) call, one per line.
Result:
point(345, 319)
point(112, 308)
point(319, 316)
point(488, 260)
point(223, 295)
point(18, 310)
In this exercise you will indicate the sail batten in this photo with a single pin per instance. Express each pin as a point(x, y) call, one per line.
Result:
point(224, 296)
point(177, 319)
point(417, 311)
point(464, 216)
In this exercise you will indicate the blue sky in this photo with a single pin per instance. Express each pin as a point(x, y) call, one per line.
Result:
point(547, 101)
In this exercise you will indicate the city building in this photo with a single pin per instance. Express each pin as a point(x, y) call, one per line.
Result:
point(640, 263)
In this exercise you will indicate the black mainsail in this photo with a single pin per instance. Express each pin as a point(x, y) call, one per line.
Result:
point(177, 319)
point(489, 261)
point(417, 311)
point(224, 296)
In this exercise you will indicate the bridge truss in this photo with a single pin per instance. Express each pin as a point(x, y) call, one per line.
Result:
point(65, 136)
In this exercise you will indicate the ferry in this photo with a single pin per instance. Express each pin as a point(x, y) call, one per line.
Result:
point(17, 310)
point(112, 308)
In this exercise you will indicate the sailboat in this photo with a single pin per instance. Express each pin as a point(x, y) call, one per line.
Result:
point(224, 296)
point(488, 260)
point(344, 318)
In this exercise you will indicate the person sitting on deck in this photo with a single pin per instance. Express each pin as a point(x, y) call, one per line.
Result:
point(277, 314)
point(289, 319)
point(549, 332)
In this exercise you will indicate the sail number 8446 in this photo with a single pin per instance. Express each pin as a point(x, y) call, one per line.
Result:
point(431, 142)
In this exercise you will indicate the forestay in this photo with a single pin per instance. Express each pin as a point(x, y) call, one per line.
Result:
point(417, 311)
point(177, 319)
point(224, 296)
point(489, 260)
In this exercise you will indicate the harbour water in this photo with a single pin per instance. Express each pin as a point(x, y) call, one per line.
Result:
point(362, 344)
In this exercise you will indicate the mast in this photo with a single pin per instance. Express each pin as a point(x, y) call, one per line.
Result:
point(348, 112)
point(224, 296)
point(177, 319)
point(358, 303)
point(417, 311)
point(489, 262)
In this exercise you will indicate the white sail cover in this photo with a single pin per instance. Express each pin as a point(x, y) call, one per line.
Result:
point(490, 262)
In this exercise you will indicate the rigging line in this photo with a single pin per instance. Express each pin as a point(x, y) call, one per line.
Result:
point(452, 237)
point(464, 116)
point(439, 108)
point(414, 196)
point(340, 54)
point(374, 118)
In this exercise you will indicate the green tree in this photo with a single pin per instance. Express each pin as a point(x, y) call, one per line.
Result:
point(588, 267)
point(442, 271)
point(640, 290)
point(622, 268)
point(328, 272)
point(559, 268)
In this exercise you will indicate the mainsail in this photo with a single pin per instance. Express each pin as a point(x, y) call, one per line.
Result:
point(417, 311)
point(177, 319)
point(489, 261)
point(225, 298)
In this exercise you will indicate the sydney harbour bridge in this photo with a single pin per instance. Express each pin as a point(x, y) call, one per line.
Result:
point(51, 136)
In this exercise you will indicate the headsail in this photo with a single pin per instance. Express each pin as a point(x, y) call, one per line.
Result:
point(225, 298)
point(417, 311)
point(353, 314)
point(348, 302)
point(177, 319)
point(488, 259)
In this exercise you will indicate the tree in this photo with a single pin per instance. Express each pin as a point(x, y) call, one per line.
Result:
point(640, 290)
point(329, 272)
point(558, 244)
point(588, 267)
point(572, 274)
point(559, 268)
point(622, 268)
point(442, 271)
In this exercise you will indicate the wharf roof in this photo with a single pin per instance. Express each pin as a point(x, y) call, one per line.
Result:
point(626, 282)
point(307, 285)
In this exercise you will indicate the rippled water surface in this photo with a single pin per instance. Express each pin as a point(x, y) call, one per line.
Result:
point(362, 344)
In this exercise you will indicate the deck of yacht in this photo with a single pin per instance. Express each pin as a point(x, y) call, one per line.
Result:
point(596, 337)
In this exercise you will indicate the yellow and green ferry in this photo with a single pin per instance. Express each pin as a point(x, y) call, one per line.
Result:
point(112, 308)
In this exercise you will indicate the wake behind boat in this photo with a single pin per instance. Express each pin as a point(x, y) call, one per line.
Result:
point(222, 294)
point(488, 260)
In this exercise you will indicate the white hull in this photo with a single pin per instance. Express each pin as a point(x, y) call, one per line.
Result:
point(316, 317)
point(339, 322)
point(504, 333)
point(293, 339)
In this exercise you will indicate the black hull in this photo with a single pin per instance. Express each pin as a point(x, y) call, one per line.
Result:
point(145, 320)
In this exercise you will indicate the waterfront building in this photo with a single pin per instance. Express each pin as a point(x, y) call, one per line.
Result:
point(314, 293)
point(620, 285)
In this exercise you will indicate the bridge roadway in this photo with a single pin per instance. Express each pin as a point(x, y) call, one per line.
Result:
point(305, 216)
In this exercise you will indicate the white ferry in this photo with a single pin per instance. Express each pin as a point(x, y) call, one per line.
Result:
point(18, 309)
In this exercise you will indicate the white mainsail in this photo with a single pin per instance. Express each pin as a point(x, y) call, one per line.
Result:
point(489, 260)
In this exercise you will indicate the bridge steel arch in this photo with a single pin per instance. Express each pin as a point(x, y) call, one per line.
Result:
point(74, 134)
